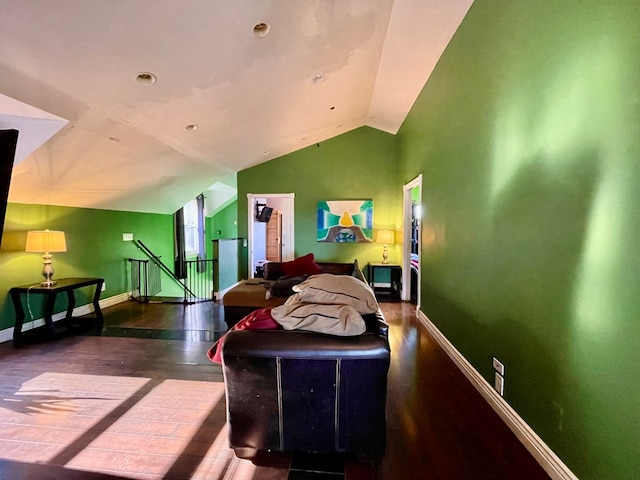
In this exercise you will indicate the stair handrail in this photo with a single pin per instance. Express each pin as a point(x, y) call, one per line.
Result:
point(161, 264)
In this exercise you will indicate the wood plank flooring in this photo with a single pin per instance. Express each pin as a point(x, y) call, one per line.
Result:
point(141, 402)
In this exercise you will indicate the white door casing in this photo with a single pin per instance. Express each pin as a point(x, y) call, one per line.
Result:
point(406, 246)
point(283, 202)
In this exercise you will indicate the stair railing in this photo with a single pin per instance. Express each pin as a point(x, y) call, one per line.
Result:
point(145, 279)
point(197, 285)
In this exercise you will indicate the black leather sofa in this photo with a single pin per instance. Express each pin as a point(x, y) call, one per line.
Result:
point(311, 392)
point(249, 295)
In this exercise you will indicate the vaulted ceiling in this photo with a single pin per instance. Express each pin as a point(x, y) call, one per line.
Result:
point(140, 105)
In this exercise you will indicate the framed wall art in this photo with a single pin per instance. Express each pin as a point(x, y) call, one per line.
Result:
point(345, 221)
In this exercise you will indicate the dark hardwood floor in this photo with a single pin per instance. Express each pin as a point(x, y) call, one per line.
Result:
point(439, 427)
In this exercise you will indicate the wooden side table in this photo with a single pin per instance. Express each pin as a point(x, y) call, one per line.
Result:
point(388, 288)
point(67, 285)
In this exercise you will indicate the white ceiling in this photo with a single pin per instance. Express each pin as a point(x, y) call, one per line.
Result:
point(125, 146)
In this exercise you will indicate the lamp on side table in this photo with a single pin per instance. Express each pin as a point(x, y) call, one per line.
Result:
point(46, 241)
point(386, 237)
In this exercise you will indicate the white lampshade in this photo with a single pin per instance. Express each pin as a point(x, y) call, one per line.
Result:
point(45, 242)
point(41, 241)
point(385, 236)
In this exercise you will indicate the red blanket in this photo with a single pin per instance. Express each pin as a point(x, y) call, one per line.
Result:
point(258, 320)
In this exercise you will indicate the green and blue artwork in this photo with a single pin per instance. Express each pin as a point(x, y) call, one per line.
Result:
point(345, 221)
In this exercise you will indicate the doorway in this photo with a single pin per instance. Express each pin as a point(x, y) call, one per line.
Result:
point(270, 232)
point(412, 245)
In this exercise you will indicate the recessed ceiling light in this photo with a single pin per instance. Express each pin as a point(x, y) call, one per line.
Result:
point(146, 78)
point(266, 152)
point(261, 29)
point(192, 128)
point(318, 78)
point(340, 125)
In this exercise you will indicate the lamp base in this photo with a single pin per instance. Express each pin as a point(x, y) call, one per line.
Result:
point(47, 271)
point(385, 255)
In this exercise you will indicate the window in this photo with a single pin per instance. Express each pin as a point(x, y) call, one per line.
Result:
point(191, 243)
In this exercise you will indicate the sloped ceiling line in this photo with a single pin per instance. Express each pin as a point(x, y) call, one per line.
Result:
point(252, 98)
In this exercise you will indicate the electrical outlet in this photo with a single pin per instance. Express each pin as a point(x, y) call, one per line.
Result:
point(499, 383)
point(127, 237)
point(104, 286)
point(498, 366)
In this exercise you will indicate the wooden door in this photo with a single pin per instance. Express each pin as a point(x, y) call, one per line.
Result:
point(274, 237)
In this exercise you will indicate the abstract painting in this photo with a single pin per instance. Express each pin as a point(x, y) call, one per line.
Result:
point(345, 221)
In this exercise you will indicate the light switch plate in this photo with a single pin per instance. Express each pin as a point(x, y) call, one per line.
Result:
point(498, 366)
point(499, 383)
point(127, 237)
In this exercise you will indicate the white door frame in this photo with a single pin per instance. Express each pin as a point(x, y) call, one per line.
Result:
point(406, 247)
point(286, 202)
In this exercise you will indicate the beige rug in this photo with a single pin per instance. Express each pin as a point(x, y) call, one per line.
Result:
point(129, 427)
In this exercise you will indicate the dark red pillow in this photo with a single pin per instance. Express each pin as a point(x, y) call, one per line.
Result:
point(257, 320)
point(305, 265)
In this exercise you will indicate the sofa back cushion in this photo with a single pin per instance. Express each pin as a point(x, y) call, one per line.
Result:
point(305, 265)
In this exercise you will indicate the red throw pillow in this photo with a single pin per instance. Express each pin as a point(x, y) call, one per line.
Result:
point(258, 320)
point(305, 265)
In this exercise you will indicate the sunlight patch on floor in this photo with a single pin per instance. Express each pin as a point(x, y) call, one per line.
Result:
point(119, 425)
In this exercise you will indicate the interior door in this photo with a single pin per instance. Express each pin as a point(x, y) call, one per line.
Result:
point(274, 237)
point(284, 203)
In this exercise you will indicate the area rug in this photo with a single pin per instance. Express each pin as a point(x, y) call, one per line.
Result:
point(127, 427)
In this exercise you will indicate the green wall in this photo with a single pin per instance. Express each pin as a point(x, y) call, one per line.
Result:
point(224, 224)
point(94, 248)
point(528, 137)
point(360, 164)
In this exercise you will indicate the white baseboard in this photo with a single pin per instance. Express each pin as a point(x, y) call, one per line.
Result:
point(548, 460)
point(7, 333)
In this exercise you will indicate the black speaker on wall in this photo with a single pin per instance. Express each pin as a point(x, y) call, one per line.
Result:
point(8, 142)
point(265, 214)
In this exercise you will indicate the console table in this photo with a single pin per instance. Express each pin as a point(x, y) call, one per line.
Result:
point(390, 288)
point(67, 285)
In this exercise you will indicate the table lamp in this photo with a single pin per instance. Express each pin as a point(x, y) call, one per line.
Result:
point(386, 237)
point(46, 241)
